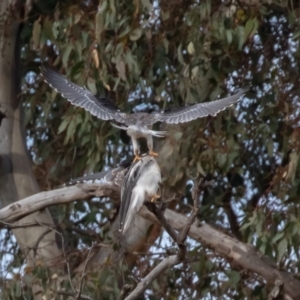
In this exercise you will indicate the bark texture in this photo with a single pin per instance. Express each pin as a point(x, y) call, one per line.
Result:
point(16, 177)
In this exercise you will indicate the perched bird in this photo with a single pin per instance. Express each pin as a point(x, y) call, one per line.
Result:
point(137, 125)
point(141, 184)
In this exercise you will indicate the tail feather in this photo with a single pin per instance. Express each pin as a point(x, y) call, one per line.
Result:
point(118, 126)
point(158, 133)
point(137, 200)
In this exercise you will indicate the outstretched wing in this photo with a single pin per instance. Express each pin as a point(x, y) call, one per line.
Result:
point(114, 176)
point(195, 111)
point(99, 107)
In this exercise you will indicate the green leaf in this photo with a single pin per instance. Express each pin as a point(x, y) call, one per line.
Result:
point(102, 7)
point(221, 158)
point(112, 6)
point(270, 147)
point(178, 135)
point(66, 54)
point(36, 34)
point(121, 70)
point(241, 37)
point(281, 249)
point(164, 15)
point(229, 36)
point(70, 131)
point(248, 28)
point(234, 277)
point(147, 4)
point(208, 6)
point(63, 125)
point(277, 237)
point(91, 84)
point(179, 54)
point(99, 28)
point(166, 45)
point(296, 35)
point(191, 48)
point(136, 34)
point(55, 29)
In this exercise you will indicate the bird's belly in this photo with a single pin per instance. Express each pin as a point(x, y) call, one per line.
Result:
point(137, 131)
point(150, 183)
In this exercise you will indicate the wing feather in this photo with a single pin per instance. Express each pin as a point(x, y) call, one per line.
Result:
point(132, 197)
point(102, 108)
point(129, 183)
point(195, 111)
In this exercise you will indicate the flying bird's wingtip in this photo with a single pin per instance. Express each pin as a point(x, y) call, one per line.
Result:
point(46, 73)
point(44, 69)
point(244, 90)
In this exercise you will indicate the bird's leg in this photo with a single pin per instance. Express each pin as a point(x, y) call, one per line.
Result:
point(152, 153)
point(150, 146)
point(136, 149)
point(154, 198)
point(136, 158)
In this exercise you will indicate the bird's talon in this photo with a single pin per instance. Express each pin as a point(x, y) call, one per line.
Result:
point(152, 153)
point(136, 158)
point(154, 198)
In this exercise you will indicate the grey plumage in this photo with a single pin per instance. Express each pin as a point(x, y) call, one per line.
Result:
point(137, 125)
point(115, 176)
point(141, 184)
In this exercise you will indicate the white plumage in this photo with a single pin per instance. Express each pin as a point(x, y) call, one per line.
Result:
point(141, 184)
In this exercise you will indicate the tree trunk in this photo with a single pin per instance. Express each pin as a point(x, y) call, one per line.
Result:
point(16, 177)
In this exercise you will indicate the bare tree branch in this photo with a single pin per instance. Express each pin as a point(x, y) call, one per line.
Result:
point(40, 201)
point(83, 274)
point(166, 263)
point(243, 255)
point(82, 297)
point(178, 238)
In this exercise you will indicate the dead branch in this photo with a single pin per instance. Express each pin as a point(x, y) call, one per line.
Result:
point(83, 274)
point(40, 201)
point(165, 264)
point(243, 255)
point(178, 238)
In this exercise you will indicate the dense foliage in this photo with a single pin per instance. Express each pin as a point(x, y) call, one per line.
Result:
point(156, 55)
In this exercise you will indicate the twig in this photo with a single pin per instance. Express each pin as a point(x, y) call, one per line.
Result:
point(195, 195)
point(36, 245)
point(277, 292)
point(242, 254)
point(82, 297)
point(124, 292)
point(65, 255)
point(83, 274)
point(166, 263)
point(179, 238)
point(160, 216)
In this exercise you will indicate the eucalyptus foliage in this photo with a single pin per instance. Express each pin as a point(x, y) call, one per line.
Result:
point(148, 56)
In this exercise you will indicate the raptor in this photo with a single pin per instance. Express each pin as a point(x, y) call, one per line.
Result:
point(141, 184)
point(137, 125)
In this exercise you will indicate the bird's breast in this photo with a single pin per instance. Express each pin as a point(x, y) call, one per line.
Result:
point(138, 131)
point(150, 180)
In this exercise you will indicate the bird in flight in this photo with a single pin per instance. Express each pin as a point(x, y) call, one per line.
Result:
point(137, 125)
point(141, 183)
